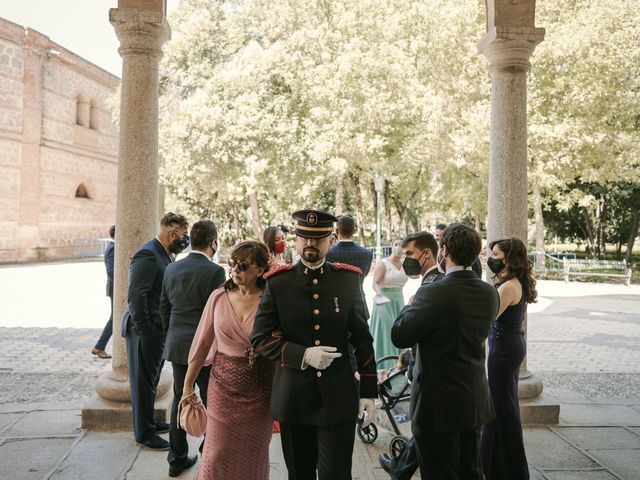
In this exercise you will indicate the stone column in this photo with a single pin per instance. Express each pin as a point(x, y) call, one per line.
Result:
point(141, 34)
point(508, 50)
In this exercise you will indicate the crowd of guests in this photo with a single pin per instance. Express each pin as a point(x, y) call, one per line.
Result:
point(287, 335)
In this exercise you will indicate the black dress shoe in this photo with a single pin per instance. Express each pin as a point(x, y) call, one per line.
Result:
point(162, 427)
point(155, 443)
point(385, 463)
point(176, 468)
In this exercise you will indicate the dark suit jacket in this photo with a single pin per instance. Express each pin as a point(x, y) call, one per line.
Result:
point(351, 254)
point(186, 288)
point(109, 253)
point(145, 286)
point(450, 319)
point(301, 308)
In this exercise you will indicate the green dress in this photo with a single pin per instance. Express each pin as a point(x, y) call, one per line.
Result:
point(383, 316)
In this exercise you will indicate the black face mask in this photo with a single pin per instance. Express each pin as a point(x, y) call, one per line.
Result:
point(411, 266)
point(495, 265)
point(180, 244)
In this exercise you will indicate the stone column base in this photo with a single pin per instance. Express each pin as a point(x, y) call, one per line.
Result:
point(539, 411)
point(103, 415)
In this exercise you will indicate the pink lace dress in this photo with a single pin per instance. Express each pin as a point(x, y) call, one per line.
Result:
point(239, 422)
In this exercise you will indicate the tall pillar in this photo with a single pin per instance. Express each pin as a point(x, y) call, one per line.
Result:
point(141, 32)
point(508, 44)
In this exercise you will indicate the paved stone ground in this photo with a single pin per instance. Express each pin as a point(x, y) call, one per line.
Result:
point(584, 342)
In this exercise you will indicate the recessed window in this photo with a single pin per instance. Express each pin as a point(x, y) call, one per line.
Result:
point(94, 116)
point(82, 192)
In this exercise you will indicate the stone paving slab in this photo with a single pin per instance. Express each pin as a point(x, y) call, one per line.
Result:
point(32, 459)
point(625, 463)
point(547, 450)
point(45, 423)
point(594, 415)
point(583, 475)
point(588, 438)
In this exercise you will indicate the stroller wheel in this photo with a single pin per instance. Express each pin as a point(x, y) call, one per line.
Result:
point(368, 434)
point(397, 446)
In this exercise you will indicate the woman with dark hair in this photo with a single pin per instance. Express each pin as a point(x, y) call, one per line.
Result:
point(239, 421)
point(276, 241)
point(502, 447)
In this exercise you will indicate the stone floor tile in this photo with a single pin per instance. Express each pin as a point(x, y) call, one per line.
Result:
point(546, 450)
point(580, 475)
point(8, 419)
point(46, 423)
point(31, 458)
point(600, 437)
point(598, 415)
point(625, 463)
point(106, 456)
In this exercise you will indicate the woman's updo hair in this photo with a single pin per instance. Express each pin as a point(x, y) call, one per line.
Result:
point(254, 253)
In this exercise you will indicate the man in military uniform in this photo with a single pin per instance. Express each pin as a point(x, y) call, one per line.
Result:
point(420, 254)
point(308, 315)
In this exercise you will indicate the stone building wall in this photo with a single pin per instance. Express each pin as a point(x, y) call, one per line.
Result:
point(58, 145)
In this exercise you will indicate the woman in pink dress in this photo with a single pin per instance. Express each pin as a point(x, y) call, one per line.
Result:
point(239, 422)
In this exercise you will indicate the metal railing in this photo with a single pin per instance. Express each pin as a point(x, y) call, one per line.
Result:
point(550, 262)
point(88, 247)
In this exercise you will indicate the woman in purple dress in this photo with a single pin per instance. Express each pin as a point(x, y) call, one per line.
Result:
point(239, 422)
point(502, 446)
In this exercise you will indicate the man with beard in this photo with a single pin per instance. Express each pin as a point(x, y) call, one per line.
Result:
point(142, 326)
point(308, 315)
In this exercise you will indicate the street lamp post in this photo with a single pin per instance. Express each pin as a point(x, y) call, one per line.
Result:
point(378, 184)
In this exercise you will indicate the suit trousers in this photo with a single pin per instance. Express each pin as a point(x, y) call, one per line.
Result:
point(307, 448)
point(107, 331)
point(145, 364)
point(406, 464)
point(178, 446)
point(448, 455)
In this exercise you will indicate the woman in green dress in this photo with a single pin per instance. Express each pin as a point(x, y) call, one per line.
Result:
point(388, 280)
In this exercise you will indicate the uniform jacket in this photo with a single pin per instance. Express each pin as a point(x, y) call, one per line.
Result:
point(301, 308)
point(450, 319)
point(145, 286)
point(186, 288)
point(351, 254)
point(109, 253)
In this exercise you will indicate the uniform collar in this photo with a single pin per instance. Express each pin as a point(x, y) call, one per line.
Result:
point(306, 265)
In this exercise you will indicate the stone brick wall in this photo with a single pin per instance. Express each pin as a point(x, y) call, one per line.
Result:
point(45, 154)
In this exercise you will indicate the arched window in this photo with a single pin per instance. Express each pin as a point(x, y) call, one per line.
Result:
point(82, 192)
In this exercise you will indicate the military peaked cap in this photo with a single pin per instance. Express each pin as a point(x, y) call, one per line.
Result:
point(313, 223)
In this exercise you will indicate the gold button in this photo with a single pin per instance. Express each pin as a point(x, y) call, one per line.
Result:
point(318, 374)
point(316, 296)
point(314, 281)
point(317, 342)
point(316, 312)
point(316, 327)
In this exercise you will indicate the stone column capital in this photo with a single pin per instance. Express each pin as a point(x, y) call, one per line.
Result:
point(141, 32)
point(510, 47)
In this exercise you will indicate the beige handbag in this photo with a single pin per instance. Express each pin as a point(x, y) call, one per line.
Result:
point(192, 415)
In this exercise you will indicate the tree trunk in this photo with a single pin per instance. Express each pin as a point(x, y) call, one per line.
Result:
point(539, 219)
point(588, 230)
point(635, 223)
point(255, 215)
point(339, 196)
point(355, 180)
point(401, 209)
point(387, 211)
point(604, 213)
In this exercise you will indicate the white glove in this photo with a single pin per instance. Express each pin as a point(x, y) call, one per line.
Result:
point(320, 357)
point(368, 405)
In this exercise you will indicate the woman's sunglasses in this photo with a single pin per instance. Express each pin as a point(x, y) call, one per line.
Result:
point(241, 265)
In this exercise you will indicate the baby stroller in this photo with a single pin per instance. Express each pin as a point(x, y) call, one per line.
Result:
point(390, 391)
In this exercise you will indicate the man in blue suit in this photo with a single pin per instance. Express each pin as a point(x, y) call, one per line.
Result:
point(109, 253)
point(346, 250)
point(142, 326)
point(186, 288)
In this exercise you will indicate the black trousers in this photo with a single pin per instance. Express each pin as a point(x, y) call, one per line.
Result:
point(145, 364)
point(178, 446)
point(406, 464)
point(448, 455)
point(308, 448)
point(106, 331)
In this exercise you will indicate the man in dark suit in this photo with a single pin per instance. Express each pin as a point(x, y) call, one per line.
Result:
point(308, 315)
point(142, 326)
point(186, 288)
point(346, 250)
point(450, 319)
point(420, 253)
point(476, 266)
point(109, 252)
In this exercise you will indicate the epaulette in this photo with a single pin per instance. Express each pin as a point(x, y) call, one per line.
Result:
point(278, 269)
point(346, 266)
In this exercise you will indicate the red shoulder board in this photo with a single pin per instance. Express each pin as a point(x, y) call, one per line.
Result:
point(278, 269)
point(346, 266)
